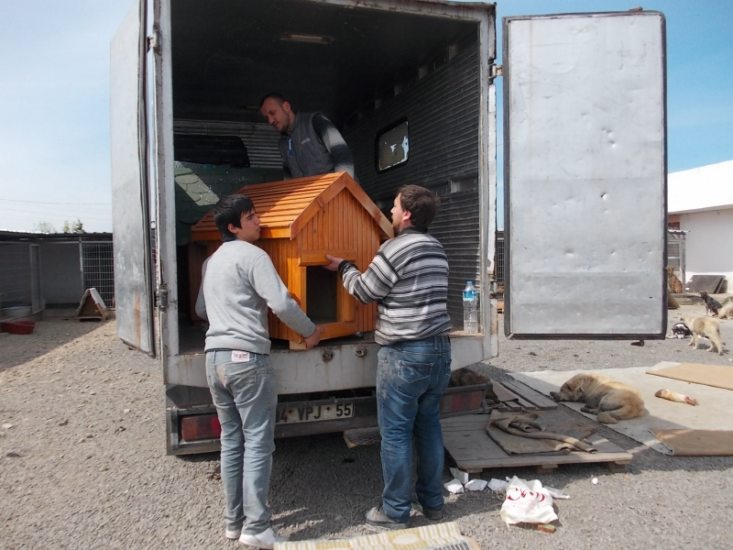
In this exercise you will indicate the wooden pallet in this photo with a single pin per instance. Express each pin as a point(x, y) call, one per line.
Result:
point(514, 395)
point(467, 442)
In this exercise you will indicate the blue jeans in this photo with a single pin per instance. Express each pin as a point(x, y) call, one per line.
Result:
point(244, 392)
point(411, 379)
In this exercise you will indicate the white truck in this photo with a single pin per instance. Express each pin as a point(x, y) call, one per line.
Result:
point(412, 86)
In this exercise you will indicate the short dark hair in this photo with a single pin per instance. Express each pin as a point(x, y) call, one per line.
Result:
point(273, 95)
point(421, 203)
point(229, 210)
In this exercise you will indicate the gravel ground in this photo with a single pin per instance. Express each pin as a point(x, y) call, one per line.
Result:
point(83, 464)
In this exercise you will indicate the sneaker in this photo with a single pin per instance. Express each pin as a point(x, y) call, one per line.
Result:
point(233, 534)
point(265, 539)
point(433, 514)
point(378, 518)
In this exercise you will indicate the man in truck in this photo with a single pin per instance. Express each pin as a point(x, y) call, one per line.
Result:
point(309, 143)
point(408, 278)
point(239, 284)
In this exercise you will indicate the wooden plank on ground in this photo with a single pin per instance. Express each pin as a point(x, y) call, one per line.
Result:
point(465, 438)
point(535, 399)
point(510, 399)
point(502, 393)
point(707, 283)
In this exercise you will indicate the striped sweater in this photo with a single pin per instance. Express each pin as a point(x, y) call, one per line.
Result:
point(409, 279)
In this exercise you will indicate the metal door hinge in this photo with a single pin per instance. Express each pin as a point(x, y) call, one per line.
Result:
point(154, 41)
point(495, 70)
point(161, 297)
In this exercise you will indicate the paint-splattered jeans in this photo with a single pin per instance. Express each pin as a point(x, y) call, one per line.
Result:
point(411, 379)
point(244, 392)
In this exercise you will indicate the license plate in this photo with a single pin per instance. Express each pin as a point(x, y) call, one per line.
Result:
point(315, 413)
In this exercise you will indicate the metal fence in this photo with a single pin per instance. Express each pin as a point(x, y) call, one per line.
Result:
point(97, 267)
point(499, 259)
point(676, 252)
point(39, 272)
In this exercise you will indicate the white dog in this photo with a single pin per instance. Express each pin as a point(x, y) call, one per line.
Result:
point(705, 327)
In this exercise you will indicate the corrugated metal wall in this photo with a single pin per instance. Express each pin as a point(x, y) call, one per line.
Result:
point(442, 111)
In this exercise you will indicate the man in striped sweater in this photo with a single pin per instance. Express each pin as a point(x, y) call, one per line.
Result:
point(408, 278)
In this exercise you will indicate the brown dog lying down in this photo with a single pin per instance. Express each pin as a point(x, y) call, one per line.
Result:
point(609, 399)
point(705, 327)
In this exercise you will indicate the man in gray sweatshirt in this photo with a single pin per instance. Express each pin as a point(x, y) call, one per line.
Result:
point(239, 284)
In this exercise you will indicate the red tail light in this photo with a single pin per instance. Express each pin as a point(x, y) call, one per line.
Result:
point(199, 427)
point(463, 399)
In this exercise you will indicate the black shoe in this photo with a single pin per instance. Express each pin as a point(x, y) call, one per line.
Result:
point(378, 518)
point(433, 515)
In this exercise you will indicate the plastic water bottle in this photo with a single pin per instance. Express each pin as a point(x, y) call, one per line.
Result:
point(470, 309)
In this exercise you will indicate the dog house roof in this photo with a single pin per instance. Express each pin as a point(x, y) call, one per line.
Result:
point(286, 207)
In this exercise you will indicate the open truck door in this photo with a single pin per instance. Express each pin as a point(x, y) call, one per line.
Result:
point(585, 175)
point(130, 194)
point(585, 186)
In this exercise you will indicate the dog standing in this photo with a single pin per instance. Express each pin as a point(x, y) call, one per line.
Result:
point(609, 399)
point(705, 327)
point(726, 312)
point(711, 304)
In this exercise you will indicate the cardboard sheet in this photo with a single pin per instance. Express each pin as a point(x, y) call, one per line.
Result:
point(697, 442)
point(439, 536)
point(717, 376)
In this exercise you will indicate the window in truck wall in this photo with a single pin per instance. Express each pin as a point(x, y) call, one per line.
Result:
point(393, 146)
point(210, 149)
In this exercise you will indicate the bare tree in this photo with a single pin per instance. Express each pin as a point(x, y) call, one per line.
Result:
point(45, 227)
point(73, 227)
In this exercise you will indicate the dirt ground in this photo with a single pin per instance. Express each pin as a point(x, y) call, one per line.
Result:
point(83, 463)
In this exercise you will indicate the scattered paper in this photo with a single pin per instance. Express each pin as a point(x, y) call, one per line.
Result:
point(454, 486)
point(557, 493)
point(460, 475)
point(476, 485)
point(498, 486)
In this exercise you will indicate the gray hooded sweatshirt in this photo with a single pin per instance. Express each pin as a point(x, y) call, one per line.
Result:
point(239, 284)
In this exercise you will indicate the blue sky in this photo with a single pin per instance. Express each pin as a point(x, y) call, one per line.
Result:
point(54, 112)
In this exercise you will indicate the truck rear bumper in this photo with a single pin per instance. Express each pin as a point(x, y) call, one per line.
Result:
point(194, 428)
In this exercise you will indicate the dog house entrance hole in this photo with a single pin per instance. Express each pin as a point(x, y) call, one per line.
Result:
point(321, 287)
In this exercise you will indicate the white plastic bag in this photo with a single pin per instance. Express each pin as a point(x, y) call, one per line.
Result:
point(527, 502)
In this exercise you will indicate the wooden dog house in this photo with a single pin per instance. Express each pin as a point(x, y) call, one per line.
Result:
point(303, 220)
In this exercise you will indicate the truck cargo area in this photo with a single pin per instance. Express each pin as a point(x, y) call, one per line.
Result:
point(410, 85)
point(405, 81)
point(367, 69)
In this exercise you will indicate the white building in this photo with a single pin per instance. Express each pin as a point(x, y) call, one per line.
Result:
point(700, 202)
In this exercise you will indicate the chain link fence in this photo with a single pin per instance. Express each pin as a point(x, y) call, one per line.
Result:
point(39, 272)
point(97, 267)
